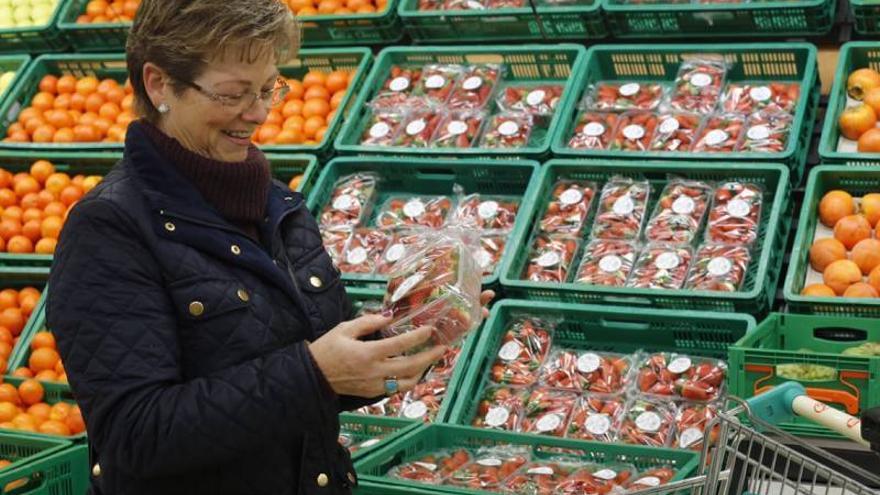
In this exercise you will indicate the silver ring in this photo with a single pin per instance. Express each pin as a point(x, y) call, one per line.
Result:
point(391, 386)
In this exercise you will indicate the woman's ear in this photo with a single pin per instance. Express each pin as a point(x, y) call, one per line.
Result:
point(157, 84)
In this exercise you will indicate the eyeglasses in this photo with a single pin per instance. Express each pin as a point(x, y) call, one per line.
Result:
point(245, 100)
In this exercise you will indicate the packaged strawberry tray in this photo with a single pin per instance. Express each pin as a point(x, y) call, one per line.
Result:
point(772, 97)
point(476, 87)
point(635, 130)
point(551, 258)
point(397, 88)
point(437, 82)
point(587, 371)
point(490, 467)
point(523, 350)
point(383, 127)
point(722, 133)
point(418, 128)
point(647, 422)
point(487, 212)
point(547, 411)
point(569, 205)
point(651, 478)
point(432, 469)
point(593, 130)
point(622, 209)
point(424, 400)
point(388, 407)
point(719, 267)
point(460, 129)
point(691, 425)
point(539, 478)
point(607, 263)
point(532, 98)
point(596, 479)
point(676, 131)
point(661, 266)
point(596, 418)
point(735, 215)
point(668, 375)
point(508, 130)
point(622, 96)
point(350, 202)
point(400, 243)
point(679, 213)
point(446, 365)
point(490, 253)
point(414, 211)
point(501, 408)
point(437, 286)
point(363, 250)
point(334, 240)
point(767, 133)
point(698, 85)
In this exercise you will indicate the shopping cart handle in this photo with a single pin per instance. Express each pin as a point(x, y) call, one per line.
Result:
point(775, 405)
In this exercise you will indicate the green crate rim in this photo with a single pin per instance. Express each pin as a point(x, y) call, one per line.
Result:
point(67, 21)
point(774, 221)
point(377, 75)
point(63, 472)
point(48, 446)
point(22, 63)
point(388, 13)
point(611, 6)
point(48, 27)
point(327, 174)
point(803, 240)
point(836, 103)
point(809, 85)
point(596, 5)
point(865, 8)
point(397, 427)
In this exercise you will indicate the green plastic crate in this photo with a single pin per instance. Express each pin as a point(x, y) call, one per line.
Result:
point(114, 66)
point(34, 39)
point(778, 340)
point(53, 393)
point(759, 288)
point(368, 488)
point(773, 18)
point(525, 63)
point(601, 328)
point(361, 296)
point(852, 56)
point(857, 181)
point(432, 176)
point(563, 22)
point(15, 63)
point(794, 62)
point(421, 442)
point(353, 29)
point(867, 16)
point(362, 428)
point(94, 37)
point(43, 465)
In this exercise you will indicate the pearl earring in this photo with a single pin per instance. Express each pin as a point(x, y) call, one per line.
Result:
point(163, 108)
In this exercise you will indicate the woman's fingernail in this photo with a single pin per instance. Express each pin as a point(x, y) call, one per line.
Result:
point(387, 313)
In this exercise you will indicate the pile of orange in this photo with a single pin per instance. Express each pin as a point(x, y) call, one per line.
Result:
point(22, 408)
point(16, 307)
point(100, 11)
point(859, 122)
point(294, 182)
point(849, 261)
point(310, 106)
point(71, 110)
point(305, 8)
point(44, 362)
point(34, 206)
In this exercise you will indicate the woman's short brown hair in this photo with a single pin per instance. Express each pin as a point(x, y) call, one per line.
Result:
point(181, 36)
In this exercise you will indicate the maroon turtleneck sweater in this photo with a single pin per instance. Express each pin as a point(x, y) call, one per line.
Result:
point(237, 190)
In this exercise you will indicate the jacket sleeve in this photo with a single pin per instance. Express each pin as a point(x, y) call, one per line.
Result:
point(117, 334)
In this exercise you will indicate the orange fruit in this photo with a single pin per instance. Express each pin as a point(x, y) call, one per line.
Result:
point(50, 227)
point(291, 108)
point(70, 195)
point(315, 107)
point(49, 83)
point(43, 134)
point(62, 102)
point(60, 411)
point(47, 376)
point(6, 335)
point(75, 421)
point(20, 245)
point(53, 427)
point(8, 298)
point(851, 229)
point(840, 274)
point(28, 292)
point(28, 305)
point(366, 9)
point(87, 85)
point(338, 79)
point(328, 6)
point(312, 125)
point(294, 182)
point(869, 141)
point(59, 118)
point(66, 84)
point(31, 392)
point(31, 230)
point(12, 319)
point(94, 102)
point(46, 246)
point(55, 208)
point(855, 121)
point(872, 99)
point(7, 198)
point(307, 11)
point(317, 92)
point(319, 136)
point(871, 207)
point(77, 102)
point(8, 393)
point(274, 118)
point(267, 133)
point(860, 289)
point(43, 101)
point(26, 186)
point(56, 182)
point(336, 99)
point(866, 254)
point(314, 78)
point(23, 372)
point(86, 134)
point(8, 410)
point(874, 278)
point(43, 339)
point(9, 228)
point(297, 90)
point(40, 411)
point(44, 358)
point(13, 213)
point(834, 206)
point(288, 136)
point(5, 349)
point(24, 421)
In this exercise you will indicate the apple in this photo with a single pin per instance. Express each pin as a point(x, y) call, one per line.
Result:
point(6, 80)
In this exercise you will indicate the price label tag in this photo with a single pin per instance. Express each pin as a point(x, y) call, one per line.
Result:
point(379, 130)
point(701, 80)
point(629, 89)
point(667, 261)
point(594, 129)
point(399, 84)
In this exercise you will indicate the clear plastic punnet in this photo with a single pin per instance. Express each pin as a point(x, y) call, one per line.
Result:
point(350, 202)
point(698, 85)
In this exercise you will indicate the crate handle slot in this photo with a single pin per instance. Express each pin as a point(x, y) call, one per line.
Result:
point(828, 396)
point(627, 300)
point(840, 334)
point(444, 174)
point(624, 325)
point(850, 401)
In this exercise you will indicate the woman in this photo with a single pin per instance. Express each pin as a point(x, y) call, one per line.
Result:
point(199, 318)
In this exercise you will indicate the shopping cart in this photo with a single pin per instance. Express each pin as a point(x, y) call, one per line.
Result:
point(750, 456)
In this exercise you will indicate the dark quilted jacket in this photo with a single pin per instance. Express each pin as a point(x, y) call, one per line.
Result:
point(185, 341)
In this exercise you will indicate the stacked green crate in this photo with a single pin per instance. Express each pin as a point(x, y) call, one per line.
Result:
point(867, 16)
point(373, 28)
point(15, 65)
point(43, 465)
point(37, 38)
point(365, 434)
point(91, 37)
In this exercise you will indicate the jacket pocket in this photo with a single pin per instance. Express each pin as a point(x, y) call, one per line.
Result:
point(203, 298)
point(320, 282)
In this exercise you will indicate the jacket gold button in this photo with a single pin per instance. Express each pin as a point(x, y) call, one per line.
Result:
point(243, 295)
point(351, 478)
point(316, 282)
point(169, 227)
point(96, 470)
point(235, 249)
point(323, 480)
point(196, 308)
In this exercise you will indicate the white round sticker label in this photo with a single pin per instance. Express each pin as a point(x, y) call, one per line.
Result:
point(624, 205)
point(379, 130)
point(490, 462)
point(395, 252)
point(426, 465)
point(484, 259)
point(588, 362)
point(758, 132)
point(456, 127)
point(689, 437)
point(760, 93)
point(548, 259)
point(649, 481)
point(669, 125)
point(716, 137)
point(488, 209)
point(416, 410)
point(629, 89)
point(399, 84)
point(508, 128)
point(634, 132)
point(738, 208)
point(497, 416)
point(510, 351)
point(548, 422)
point(571, 196)
point(701, 80)
point(667, 261)
point(649, 421)
point(406, 286)
point(610, 263)
point(434, 82)
point(535, 97)
point(679, 365)
point(356, 256)
point(598, 424)
point(369, 443)
point(414, 208)
point(415, 127)
point(344, 202)
point(472, 83)
point(605, 474)
point(720, 266)
point(684, 205)
point(594, 129)
point(542, 470)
